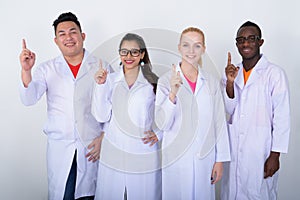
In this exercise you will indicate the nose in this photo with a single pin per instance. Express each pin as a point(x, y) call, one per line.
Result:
point(128, 55)
point(246, 43)
point(68, 36)
point(191, 50)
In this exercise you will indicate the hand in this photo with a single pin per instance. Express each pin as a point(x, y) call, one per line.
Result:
point(217, 172)
point(95, 147)
point(271, 164)
point(101, 74)
point(231, 71)
point(175, 82)
point(150, 137)
point(27, 57)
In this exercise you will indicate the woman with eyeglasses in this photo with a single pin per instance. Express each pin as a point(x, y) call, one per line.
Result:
point(129, 165)
point(190, 112)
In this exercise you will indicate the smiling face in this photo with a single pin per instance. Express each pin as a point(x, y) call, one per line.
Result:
point(69, 39)
point(191, 47)
point(249, 47)
point(132, 59)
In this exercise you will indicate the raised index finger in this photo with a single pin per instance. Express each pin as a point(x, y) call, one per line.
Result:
point(229, 59)
point(23, 44)
point(100, 64)
point(174, 69)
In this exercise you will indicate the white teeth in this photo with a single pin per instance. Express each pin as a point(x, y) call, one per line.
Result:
point(190, 56)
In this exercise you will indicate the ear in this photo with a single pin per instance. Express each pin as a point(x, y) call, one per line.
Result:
point(142, 55)
point(83, 36)
point(260, 42)
point(55, 40)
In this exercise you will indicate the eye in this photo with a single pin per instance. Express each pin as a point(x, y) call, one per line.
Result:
point(252, 38)
point(240, 40)
point(123, 52)
point(135, 52)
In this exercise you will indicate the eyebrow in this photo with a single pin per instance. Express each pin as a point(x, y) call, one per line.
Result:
point(71, 29)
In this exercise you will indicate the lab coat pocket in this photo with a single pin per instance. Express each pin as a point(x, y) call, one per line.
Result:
point(56, 128)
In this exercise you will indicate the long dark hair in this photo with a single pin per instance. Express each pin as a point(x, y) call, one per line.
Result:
point(145, 63)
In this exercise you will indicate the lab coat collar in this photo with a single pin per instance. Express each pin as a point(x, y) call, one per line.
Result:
point(121, 77)
point(86, 65)
point(200, 79)
point(255, 74)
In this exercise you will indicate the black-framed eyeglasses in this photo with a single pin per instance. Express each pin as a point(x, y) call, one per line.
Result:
point(250, 38)
point(133, 52)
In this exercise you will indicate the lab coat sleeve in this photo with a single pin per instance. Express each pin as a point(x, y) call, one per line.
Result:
point(164, 108)
point(36, 88)
point(281, 112)
point(157, 131)
point(101, 102)
point(221, 132)
point(230, 104)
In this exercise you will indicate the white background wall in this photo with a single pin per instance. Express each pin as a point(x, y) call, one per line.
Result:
point(22, 143)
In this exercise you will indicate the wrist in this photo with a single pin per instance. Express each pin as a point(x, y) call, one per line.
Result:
point(275, 154)
point(172, 96)
point(229, 83)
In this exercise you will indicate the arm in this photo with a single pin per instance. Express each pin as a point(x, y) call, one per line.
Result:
point(27, 60)
point(164, 107)
point(281, 123)
point(230, 99)
point(101, 101)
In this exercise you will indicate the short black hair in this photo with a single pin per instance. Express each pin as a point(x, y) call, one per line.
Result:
point(68, 16)
point(249, 23)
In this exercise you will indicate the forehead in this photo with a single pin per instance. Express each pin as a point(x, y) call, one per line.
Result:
point(130, 44)
point(192, 37)
point(248, 30)
point(67, 25)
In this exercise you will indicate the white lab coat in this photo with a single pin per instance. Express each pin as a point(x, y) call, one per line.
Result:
point(125, 161)
point(70, 125)
point(259, 123)
point(194, 138)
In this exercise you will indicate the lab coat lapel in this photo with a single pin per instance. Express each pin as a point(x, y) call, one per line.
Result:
point(200, 80)
point(63, 67)
point(256, 71)
point(86, 65)
point(239, 80)
point(185, 84)
point(140, 81)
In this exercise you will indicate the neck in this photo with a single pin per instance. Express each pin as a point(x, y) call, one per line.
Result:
point(250, 63)
point(189, 70)
point(131, 75)
point(76, 59)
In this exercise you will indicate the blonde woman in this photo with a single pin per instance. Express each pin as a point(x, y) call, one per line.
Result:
point(190, 111)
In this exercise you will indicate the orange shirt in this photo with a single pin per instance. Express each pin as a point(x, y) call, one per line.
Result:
point(246, 75)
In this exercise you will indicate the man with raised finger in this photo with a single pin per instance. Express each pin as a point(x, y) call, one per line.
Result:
point(256, 96)
point(73, 135)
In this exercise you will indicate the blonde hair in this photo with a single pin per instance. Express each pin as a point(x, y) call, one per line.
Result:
point(197, 30)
